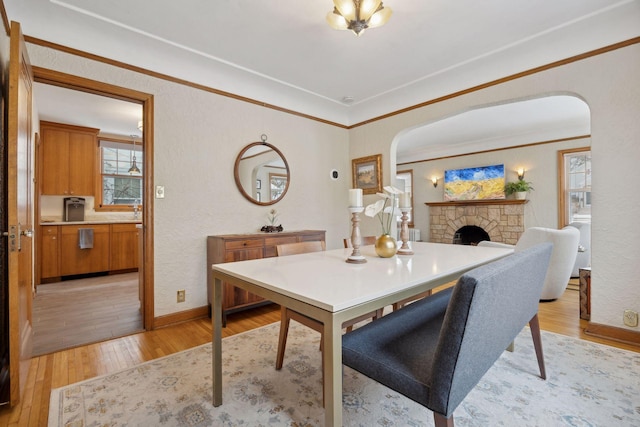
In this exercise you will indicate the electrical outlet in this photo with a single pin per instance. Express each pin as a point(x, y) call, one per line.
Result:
point(630, 318)
point(181, 295)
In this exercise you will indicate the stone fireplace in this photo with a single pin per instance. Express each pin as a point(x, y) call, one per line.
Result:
point(502, 220)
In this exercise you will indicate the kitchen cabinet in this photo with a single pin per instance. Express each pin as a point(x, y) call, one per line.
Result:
point(74, 260)
point(49, 252)
point(116, 247)
point(68, 159)
point(241, 247)
point(124, 247)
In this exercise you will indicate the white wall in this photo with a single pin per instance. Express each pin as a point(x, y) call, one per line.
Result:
point(610, 85)
point(197, 136)
point(541, 170)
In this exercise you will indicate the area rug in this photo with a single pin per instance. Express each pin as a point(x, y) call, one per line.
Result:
point(588, 385)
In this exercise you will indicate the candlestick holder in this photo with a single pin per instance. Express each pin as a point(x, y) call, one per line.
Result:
point(356, 257)
point(404, 233)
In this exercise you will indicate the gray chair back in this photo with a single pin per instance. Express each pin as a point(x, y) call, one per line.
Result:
point(489, 306)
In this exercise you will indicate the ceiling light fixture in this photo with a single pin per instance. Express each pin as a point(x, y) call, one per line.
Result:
point(134, 167)
point(358, 15)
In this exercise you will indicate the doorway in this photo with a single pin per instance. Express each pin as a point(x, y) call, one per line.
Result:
point(138, 286)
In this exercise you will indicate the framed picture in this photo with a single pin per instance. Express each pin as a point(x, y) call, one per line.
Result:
point(258, 184)
point(479, 183)
point(367, 174)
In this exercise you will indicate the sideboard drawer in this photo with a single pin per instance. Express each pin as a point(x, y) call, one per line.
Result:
point(243, 244)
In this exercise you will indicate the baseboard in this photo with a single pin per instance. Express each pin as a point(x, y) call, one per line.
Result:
point(613, 333)
point(180, 317)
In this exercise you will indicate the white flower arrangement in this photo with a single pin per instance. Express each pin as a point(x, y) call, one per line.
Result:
point(272, 217)
point(380, 208)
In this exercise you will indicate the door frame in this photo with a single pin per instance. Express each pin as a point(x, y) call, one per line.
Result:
point(56, 78)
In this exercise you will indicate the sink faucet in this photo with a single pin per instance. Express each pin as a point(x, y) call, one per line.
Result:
point(136, 213)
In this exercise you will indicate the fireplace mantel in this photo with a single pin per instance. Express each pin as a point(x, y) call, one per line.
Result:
point(479, 202)
point(502, 219)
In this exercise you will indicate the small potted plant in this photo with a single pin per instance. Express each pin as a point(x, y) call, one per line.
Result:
point(520, 188)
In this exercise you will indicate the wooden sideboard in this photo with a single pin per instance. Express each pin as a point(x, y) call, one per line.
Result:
point(241, 247)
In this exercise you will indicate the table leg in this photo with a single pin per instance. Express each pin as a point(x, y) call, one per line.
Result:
point(216, 353)
point(332, 374)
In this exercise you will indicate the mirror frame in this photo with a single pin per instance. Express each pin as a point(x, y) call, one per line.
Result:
point(237, 176)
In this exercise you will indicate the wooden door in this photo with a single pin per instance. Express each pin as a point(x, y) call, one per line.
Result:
point(124, 247)
point(74, 260)
point(50, 252)
point(82, 164)
point(19, 212)
point(55, 159)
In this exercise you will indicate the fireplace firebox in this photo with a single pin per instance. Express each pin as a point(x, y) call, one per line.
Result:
point(470, 235)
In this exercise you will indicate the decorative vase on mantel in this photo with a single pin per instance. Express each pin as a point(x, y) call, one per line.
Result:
point(520, 195)
point(386, 246)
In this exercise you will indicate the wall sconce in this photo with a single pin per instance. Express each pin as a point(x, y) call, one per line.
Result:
point(520, 172)
point(434, 181)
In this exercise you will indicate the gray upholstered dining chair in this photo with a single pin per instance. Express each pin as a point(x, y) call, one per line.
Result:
point(435, 350)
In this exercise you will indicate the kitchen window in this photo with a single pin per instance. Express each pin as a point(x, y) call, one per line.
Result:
point(121, 185)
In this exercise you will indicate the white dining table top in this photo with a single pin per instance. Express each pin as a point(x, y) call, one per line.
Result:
point(325, 280)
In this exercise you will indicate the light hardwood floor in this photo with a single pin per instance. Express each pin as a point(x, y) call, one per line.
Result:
point(76, 312)
point(69, 366)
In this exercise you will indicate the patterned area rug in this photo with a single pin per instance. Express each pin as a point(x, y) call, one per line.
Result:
point(588, 385)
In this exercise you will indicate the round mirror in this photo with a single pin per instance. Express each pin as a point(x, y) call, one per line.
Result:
point(262, 173)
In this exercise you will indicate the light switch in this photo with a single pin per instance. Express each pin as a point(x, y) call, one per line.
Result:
point(159, 191)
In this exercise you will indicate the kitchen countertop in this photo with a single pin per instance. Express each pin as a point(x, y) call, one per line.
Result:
point(92, 221)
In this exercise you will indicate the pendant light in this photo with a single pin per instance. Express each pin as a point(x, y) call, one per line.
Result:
point(134, 167)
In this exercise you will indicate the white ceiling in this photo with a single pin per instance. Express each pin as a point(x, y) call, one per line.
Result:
point(282, 52)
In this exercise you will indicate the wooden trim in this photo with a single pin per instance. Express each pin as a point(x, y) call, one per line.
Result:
point(562, 205)
point(613, 333)
point(166, 77)
point(516, 76)
point(73, 128)
point(480, 202)
point(5, 18)
point(180, 317)
point(531, 144)
point(172, 79)
point(56, 78)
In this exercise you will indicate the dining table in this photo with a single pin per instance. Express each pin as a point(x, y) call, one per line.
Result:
point(321, 285)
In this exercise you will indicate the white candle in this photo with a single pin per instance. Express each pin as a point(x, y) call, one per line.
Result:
point(405, 200)
point(355, 197)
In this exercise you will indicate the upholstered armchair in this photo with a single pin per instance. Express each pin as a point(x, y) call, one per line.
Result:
point(435, 350)
point(563, 257)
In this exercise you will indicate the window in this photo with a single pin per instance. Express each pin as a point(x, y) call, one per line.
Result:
point(405, 182)
point(575, 186)
point(120, 189)
point(277, 185)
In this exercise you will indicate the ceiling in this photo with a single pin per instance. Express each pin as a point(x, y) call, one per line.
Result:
point(283, 53)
